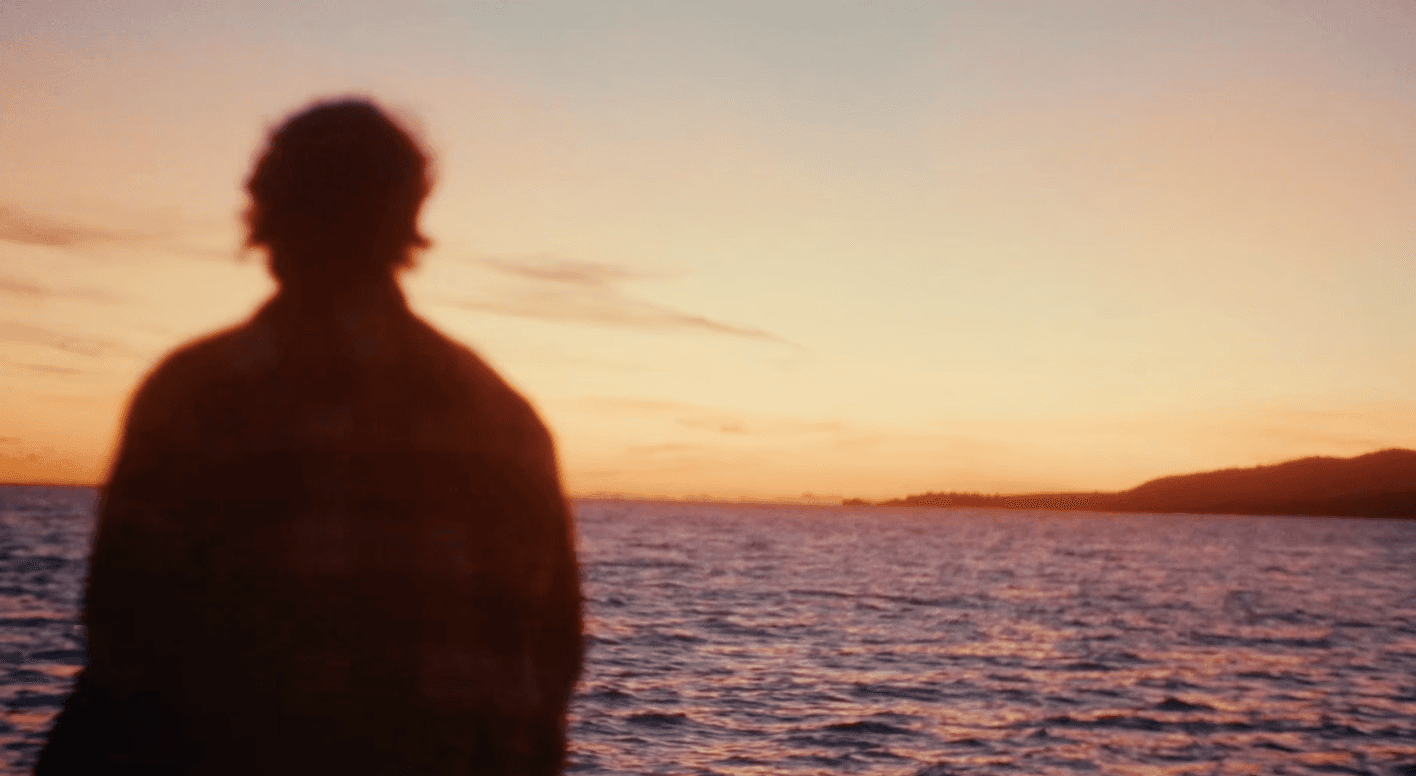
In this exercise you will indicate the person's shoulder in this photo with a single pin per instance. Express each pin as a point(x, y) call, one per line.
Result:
point(208, 357)
point(210, 362)
point(474, 376)
point(171, 399)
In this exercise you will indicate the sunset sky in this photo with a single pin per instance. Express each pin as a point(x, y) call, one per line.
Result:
point(768, 248)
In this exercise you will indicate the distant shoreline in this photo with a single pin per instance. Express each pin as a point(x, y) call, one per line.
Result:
point(1379, 484)
point(1020, 503)
point(48, 485)
point(860, 503)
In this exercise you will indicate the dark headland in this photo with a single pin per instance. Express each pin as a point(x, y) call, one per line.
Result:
point(1380, 484)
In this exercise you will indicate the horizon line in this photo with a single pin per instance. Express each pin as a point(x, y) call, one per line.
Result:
point(809, 498)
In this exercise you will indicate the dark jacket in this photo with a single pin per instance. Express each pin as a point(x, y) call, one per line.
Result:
point(333, 541)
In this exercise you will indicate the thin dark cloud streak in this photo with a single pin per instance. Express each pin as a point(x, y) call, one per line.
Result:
point(53, 370)
point(580, 273)
point(16, 287)
point(13, 286)
point(587, 292)
point(717, 419)
point(609, 310)
point(21, 227)
point(18, 332)
point(18, 226)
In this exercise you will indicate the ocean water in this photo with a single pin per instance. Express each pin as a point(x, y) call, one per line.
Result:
point(727, 639)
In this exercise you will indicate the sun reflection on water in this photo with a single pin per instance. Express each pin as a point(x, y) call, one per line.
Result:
point(746, 640)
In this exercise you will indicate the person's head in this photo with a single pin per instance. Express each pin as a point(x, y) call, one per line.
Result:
point(335, 196)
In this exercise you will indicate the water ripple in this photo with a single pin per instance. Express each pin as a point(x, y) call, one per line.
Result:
point(932, 642)
point(745, 641)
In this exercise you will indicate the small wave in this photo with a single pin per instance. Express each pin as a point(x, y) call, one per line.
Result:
point(41, 563)
point(1043, 734)
point(609, 697)
point(1284, 678)
point(1228, 640)
point(830, 741)
point(1129, 722)
point(73, 657)
point(837, 763)
point(653, 638)
point(1087, 666)
point(32, 622)
point(1175, 704)
point(741, 760)
point(1332, 730)
point(823, 593)
point(36, 700)
point(656, 720)
point(645, 563)
point(873, 728)
point(733, 629)
point(892, 691)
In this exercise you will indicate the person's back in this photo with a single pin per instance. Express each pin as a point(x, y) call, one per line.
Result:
point(333, 540)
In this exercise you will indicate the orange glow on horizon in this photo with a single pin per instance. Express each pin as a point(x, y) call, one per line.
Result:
point(740, 265)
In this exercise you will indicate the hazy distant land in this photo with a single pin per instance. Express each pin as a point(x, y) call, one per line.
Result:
point(1380, 484)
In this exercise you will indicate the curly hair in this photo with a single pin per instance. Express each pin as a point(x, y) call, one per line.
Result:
point(340, 183)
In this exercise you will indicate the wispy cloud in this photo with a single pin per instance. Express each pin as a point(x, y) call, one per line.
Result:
point(580, 273)
point(84, 345)
point(18, 226)
point(13, 286)
point(1350, 429)
point(16, 287)
point(146, 229)
point(667, 448)
point(717, 420)
point(50, 369)
point(588, 292)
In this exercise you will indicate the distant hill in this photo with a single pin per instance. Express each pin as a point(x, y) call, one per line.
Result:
point(1380, 484)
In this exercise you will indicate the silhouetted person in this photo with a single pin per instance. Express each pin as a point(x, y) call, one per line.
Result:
point(333, 541)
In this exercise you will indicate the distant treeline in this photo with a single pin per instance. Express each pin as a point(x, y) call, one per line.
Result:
point(1025, 501)
point(1380, 484)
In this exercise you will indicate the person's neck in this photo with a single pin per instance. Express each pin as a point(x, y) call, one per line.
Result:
point(363, 294)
